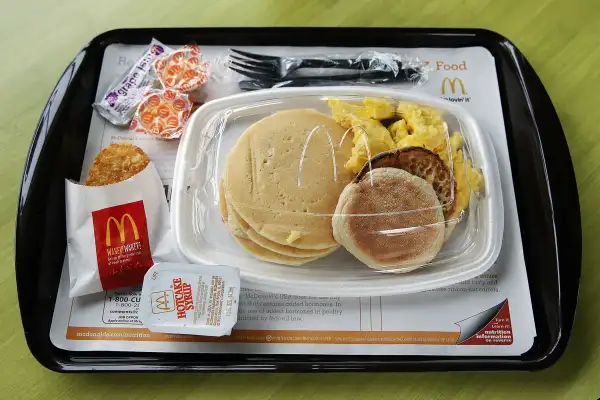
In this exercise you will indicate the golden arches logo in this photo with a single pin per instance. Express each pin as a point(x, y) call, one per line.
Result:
point(452, 84)
point(121, 228)
point(162, 301)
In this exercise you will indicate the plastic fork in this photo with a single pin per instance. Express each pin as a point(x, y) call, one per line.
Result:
point(256, 84)
point(265, 67)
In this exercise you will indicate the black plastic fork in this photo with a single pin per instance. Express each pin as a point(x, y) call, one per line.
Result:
point(265, 67)
point(371, 77)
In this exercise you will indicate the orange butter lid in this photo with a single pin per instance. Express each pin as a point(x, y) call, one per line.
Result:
point(183, 70)
point(162, 113)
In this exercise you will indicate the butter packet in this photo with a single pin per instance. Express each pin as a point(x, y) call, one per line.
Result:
point(183, 70)
point(162, 113)
point(190, 299)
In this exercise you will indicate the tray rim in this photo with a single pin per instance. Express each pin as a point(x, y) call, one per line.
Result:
point(570, 226)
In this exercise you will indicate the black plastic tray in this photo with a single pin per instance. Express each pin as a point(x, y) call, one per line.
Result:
point(544, 181)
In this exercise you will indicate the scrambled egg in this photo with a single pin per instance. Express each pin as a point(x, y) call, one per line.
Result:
point(373, 108)
point(378, 108)
point(467, 178)
point(419, 126)
point(398, 130)
point(370, 137)
point(426, 126)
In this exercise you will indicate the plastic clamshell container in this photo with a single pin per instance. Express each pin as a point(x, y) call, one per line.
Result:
point(203, 237)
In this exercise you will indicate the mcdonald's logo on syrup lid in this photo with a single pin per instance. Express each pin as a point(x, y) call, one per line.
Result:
point(162, 301)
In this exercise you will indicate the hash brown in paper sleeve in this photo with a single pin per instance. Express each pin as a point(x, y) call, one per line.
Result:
point(115, 163)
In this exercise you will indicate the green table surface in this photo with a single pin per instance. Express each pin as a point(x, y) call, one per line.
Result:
point(561, 39)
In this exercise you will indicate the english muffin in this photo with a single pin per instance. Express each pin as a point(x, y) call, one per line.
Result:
point(423, 163)
point(390, 220)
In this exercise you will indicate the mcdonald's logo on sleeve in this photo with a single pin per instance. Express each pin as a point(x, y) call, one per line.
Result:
point(451, 84)
point(122, 244)
point(121, 228)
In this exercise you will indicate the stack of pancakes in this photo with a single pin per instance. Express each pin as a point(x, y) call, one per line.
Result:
point(281, 185)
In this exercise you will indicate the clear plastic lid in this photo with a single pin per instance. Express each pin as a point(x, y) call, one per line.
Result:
point(335, 185)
